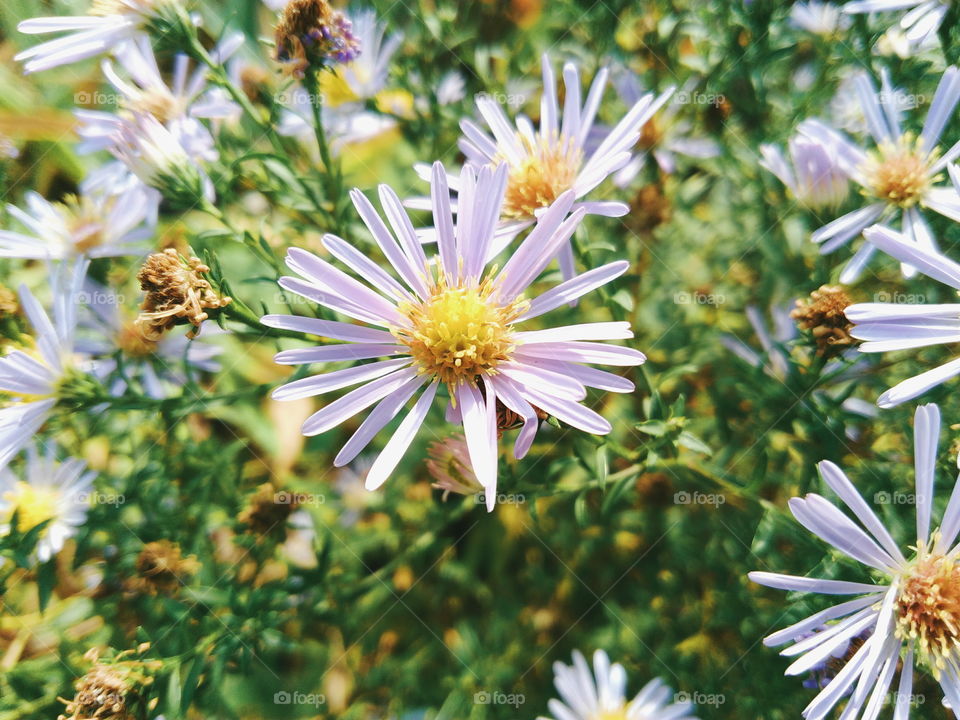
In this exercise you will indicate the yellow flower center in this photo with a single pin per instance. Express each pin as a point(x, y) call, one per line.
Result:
point(159, 102)
point(620, 714)
point(549, 168)
point(928, 608)
point(459, 333)
point(84, 222)
point(898, 173)
point(33, 505)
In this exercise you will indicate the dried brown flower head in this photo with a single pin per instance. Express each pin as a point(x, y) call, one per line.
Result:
point(823, 315)
point(162, 569)
point(176, 293)
point(111, 690)
point(267, 511)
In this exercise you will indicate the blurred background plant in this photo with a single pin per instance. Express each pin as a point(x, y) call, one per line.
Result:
point(227, 570)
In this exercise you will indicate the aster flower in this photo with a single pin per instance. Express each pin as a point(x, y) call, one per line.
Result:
point(819, 18)
point(122, 353)
point(548, 161)
point(887, 327)
point(87, 225)
point(664, 136)
point(347, 87)
point(899, 176)
point(846, 112)
point(452, 323)
point(602, 693)
point(50, 491)
point(810, 172)
point(909, 610)
point(179, 107)
point(156, 157)
point(108, 25)
point(32, 378)
point(919, 24)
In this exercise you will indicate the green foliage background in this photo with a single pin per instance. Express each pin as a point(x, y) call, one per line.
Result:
point(406, 606)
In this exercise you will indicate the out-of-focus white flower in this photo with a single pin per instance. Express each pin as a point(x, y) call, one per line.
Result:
point(665, 135)
point(32, 377)
point(156, 157)
point(602, 694)
point(810, 172)
point(121, 355)
point(898, 176)
point(180, 106)
point(919, 24)
point(49, 492)
point(94, 226)
point(846, 109)
point(108, 25)
point(819, 18)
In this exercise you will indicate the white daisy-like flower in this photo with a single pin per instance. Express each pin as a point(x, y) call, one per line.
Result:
point(50, 492)
point(451, 322)
point(886, 327)
point(86, 225)
point(121, 355)
point(919, 24)
point(602, 694)
point(180, 106)
point(909, 611)
point(810, 171)
point(156, 157)
point(31, 378)
point(664, 136)
point(899, 176)
point(562, 155)
point(347, 88)
point(846, 111)
point(108, 25)
point(819, 18)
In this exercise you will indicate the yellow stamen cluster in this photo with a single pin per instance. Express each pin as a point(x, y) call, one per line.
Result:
point(928, 608)
point(899, 173)
point(548, 169)
point(84, 222)
point(459, 333)
point(620, 714)
point(159, 102)
point(33, 505)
